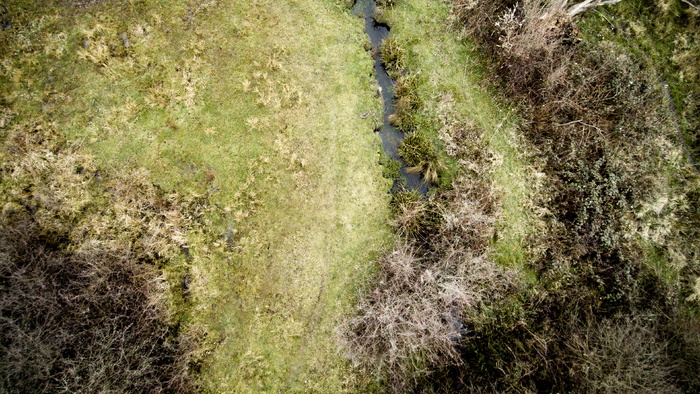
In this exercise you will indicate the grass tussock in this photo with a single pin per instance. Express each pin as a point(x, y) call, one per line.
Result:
point(420, 156)
point(386, 3)
point(407, 104)
point(393, 57)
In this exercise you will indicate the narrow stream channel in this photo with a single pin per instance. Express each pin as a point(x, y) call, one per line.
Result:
point(390, 135)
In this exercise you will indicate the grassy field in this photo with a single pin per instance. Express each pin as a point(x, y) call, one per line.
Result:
point(267, 108)
point(451, 87)
point(206, 171)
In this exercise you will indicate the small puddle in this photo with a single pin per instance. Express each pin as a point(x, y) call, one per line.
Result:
point(390, 135)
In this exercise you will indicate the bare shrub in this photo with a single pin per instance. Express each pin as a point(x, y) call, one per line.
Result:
point(414, 320)
point(412, 323)
point(621, 357)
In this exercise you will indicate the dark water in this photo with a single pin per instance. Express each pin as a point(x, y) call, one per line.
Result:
point(391, 137)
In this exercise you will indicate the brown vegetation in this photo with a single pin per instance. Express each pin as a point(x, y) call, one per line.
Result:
point(596, 114)
point(597, 315)
point(83, 301)
point(85, 321)
point(415, 319)
point(624, 356)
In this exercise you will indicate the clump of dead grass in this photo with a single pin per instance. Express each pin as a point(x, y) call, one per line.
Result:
point(622, 356)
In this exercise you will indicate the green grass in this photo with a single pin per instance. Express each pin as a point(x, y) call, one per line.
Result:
point(260, 105)
point(452, 81)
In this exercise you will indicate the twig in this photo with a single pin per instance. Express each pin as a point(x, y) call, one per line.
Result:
point(691, 5)
point(606, 18)
point(581, 122)
point(569, 123)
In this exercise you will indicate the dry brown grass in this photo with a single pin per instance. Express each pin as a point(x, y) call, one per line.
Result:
point(93, 320)
point(84, 300)
point(621, 357)
point(430, 287)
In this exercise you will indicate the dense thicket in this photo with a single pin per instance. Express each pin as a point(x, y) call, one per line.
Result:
point(597, 116)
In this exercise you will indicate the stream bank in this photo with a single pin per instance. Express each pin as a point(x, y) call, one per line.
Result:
point(391, 137)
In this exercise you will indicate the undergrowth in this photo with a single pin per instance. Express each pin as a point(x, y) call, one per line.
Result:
point(606, 299)
point(666, 33)
point(596, 113)
point(85, 301)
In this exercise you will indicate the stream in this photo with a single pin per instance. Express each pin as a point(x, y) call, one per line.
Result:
point(390, 135)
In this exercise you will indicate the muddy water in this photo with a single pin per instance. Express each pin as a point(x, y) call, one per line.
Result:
point(391, 137)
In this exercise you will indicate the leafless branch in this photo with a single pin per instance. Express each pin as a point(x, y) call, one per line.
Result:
point(588, 5)
point(691, 5)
